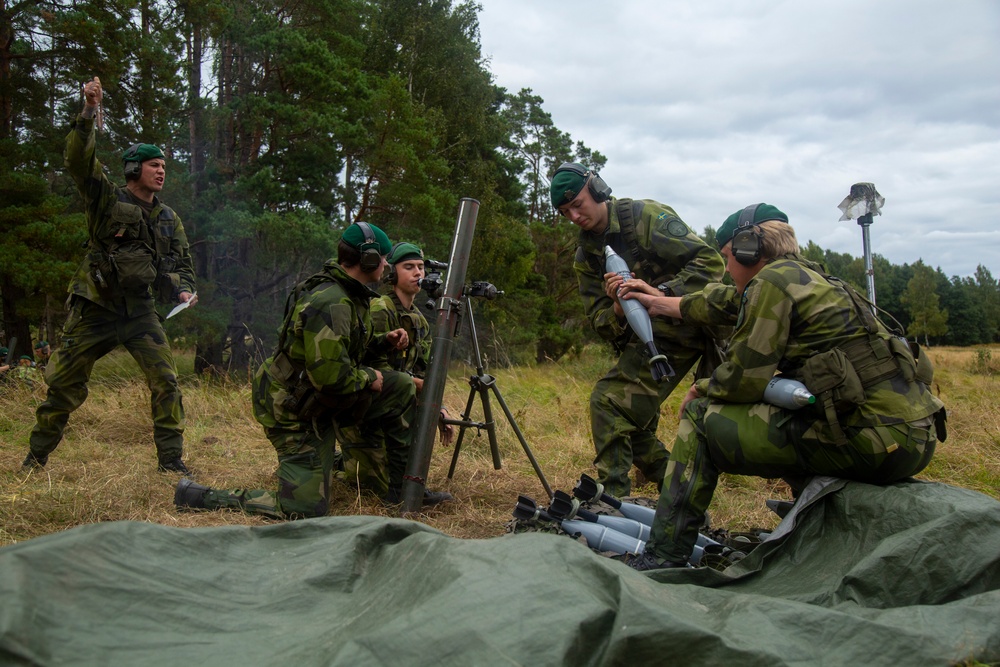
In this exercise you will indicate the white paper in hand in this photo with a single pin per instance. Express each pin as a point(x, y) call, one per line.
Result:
point(181, 306)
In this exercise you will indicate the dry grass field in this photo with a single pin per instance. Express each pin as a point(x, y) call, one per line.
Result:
point(105, 467)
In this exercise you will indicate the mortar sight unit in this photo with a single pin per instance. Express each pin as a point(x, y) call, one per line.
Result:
point(433, 285)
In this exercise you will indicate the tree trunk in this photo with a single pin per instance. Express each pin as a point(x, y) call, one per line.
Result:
point(15, 325)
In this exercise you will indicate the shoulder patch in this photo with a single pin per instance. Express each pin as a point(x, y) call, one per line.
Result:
point(676, 227)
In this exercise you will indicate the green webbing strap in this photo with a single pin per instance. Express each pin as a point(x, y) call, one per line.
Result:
point(308, 284)
point(626, 219)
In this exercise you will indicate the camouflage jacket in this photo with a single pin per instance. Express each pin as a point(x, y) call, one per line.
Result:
point(328, 332)
point(153, 247)
point(388, 314)
point(789, 313)
point(672, 254)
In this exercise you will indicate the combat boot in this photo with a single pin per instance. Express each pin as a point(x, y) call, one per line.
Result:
point(646, 561)
point(32, 462)
point(395, 496)
point(198, 496)
point(173, 466)
point(190, 494)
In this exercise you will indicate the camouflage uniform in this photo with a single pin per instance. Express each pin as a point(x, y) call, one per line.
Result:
point(625, 404)
point(28, 374)
point(314, 389)
point(389, 314)
point(791, 314)
point(134, 249)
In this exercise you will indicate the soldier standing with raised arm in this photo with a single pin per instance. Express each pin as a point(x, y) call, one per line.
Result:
point(137, 250)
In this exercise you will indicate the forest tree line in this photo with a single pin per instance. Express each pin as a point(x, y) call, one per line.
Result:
point(283, 123)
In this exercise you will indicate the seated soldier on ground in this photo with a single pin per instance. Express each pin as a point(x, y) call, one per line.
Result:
point(875, 419)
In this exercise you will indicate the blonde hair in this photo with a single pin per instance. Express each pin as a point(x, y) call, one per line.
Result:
point(777, 238)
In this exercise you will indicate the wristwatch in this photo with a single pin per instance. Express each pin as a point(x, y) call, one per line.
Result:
point(665, 289)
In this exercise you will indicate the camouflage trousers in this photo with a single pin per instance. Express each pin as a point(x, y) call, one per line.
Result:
point(90, 333)
point(305, 469)
point(624, 415)
point(375, 452)
point(766, 441)
point(376, 449)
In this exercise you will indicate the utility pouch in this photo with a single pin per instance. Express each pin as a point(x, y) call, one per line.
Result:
point(123, 223)
point(168, 286)
point(831, 377)
point(100, 268)
point(904, 355)
point(941, 424)
point(133, 264)
point(925, 370)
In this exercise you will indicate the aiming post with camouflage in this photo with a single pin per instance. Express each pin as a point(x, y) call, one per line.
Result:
point(137, 253)
point(316, 389)
point(662, 251)
point(874, 419)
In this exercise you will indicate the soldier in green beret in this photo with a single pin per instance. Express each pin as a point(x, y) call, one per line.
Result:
point(317, 385)
point(661, 251)
point(137, 253)
point(398, 309)
point(26, 371)
point(874, 419)
point(42, 354)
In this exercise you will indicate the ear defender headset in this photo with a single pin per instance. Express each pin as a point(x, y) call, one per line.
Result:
point(746, 238)
point(392, 278)
point(371, 258)
point(599, 190)
point(133, 168)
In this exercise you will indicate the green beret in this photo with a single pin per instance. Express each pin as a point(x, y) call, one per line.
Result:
point(404, 251)
point(566, 185)
point(40, 344)
point(763, 213)
point(3, 351)
point(24, 356)
point(354, 237)
point(141, 153)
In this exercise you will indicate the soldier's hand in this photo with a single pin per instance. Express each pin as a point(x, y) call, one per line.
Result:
point(377, 384)
point(637, 285)
point(688, 397)
point(612, 282)
point(419, 384)
point(446, 431)
point(398, 339)
point(184, 297)
point(93, 93)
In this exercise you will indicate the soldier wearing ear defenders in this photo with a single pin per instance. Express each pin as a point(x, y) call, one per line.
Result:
point(874, 420)
point(397, 310)
point(661, 250)
point(317, 389)
point(137, 252)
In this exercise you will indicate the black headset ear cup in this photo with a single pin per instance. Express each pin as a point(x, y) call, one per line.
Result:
point(596, 185)
point(371, 258)
point(132, 167)
point(391, 278)
point(746, 239)
point(599, 190)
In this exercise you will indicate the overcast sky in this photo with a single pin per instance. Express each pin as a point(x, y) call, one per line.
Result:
point(708, 106)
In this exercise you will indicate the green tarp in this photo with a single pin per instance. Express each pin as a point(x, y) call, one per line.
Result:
point(856, 575)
